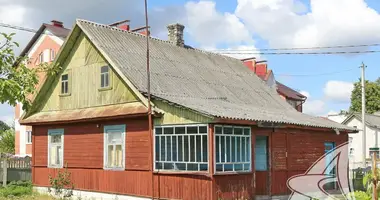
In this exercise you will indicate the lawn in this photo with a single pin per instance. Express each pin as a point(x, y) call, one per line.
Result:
point(28, 197)
point(21, 191)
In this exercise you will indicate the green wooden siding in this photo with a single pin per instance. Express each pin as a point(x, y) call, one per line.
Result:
point(178, 115)
point(83, 66)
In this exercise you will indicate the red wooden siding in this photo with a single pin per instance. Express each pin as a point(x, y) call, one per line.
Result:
point(234, 186)
point(262, 183)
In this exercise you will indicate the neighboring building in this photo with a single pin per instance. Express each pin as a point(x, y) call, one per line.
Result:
point(294, 98)
point(218, 131)
point(356, 140)
point(42, 48)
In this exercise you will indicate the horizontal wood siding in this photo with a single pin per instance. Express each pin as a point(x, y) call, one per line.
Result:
point(234, 186)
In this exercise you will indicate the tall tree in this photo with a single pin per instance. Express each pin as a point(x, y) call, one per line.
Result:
point(17, 81)
point(372, 94)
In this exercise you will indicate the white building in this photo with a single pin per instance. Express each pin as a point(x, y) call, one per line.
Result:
point(372, 123)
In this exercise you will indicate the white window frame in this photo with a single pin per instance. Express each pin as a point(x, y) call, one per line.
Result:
point(41, 58)
point(55, 132)
point(28, 137)
point(176, 136)
point(66, 84)
point(52, 54)
point(122, 129)
point(243, 163)
point(105, 74)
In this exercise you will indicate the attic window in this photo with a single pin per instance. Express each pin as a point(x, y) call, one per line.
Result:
point(65, 84)
point(104, 77)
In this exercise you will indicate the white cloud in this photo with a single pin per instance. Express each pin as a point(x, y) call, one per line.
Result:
point(314, 107)
point(305, 93)
point(338, 91)
point(209, 27)
point(285, 23)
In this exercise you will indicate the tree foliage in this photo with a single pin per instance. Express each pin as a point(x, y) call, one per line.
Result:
point(17, 81)
point(7, 141)
point(372, 95)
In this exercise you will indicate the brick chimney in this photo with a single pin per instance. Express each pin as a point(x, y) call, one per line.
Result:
point(175, 33)
point(57, 23)
point(123, 24)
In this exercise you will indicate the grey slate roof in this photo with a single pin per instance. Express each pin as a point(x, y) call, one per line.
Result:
point(205, 82)
point(371, 120)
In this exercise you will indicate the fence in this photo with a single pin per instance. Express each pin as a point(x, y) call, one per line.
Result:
point(15, 169)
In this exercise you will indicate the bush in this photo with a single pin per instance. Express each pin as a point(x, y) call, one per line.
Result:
point(16, 189)
point(360, 195)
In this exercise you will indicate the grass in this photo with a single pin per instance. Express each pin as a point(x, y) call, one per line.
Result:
point(28, 197)
point(21, 191)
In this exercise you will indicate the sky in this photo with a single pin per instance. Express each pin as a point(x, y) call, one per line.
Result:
point(243, 25)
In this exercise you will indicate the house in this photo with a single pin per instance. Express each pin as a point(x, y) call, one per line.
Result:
point(372, 126)
point(260, 68)
point(218, 131)
point(42, 48)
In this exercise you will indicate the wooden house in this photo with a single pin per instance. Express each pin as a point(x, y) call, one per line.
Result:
point(218, 131)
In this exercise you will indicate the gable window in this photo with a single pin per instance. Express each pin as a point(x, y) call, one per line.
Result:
point(55, 145)
point(232, 149)
point(104, 77)
point(65, 84)
point(52, 54)
point(28, 137)
point(41, 58)
point(181, 148)
point(114, 147)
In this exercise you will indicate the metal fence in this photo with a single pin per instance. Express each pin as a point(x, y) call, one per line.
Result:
point(15, 169)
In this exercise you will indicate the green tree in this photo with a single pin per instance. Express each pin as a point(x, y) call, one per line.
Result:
point(7, 141)
point(3, 126)
point(17, 81)
point(372, 94)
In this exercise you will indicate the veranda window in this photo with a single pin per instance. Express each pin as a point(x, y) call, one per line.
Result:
point(232, 149)
point(55, 143)
point(114, 147)
point(181, 148)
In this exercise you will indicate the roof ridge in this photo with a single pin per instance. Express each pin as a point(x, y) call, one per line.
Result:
point(153, 38)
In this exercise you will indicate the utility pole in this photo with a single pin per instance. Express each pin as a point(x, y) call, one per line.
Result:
point(363, 116)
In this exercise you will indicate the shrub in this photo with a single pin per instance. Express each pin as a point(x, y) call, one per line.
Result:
point(360, 195)
point(17, 189)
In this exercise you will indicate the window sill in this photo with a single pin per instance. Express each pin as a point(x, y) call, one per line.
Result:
point(205, 173)
point(55, 167)
point(114, 169)
point(65, 95)
point(231, 173)
point(28, 143)
point(105, 89)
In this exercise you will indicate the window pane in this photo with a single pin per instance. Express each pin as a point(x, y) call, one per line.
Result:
point(157, 148)
point(228, 167)
point(56, 138)
point(203, 129)
point(102, 81)
point(186, 148)
point(219, 167)
point(181, 166)
point(158, 165)
point(238, 167)
point(227, 130)
point(111, 156)
point(228, 148)
point(238, 131)
point(179, 130)
point(261, 157)
point(63, 88)
point(65, 77)
point(205, 149)
point(192, 167)
point(192, 148)
point(158, 131)
point(199, 148)
point(180, 148)
point(203, 167)
point(119, 156)
point(233, 145)
point(53, 155)
point(243, 150)
point(168, 130)
point(217, 147)
point(106, 80)
point(174, 148)
point(238, 149)
point(223, 148)
point(218, 130)
point(59, 155)
point(104, 69)
point(168, 148)
point(247, 131)
point(168, 165)
point(114, 138)
point(192, 130)
point(163, 149)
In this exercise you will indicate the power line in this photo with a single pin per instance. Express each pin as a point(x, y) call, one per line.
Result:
point(320, 74)
point(20, 28)
point(302, 48)
point(299, 53)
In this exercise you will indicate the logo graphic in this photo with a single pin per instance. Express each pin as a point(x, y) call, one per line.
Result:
point(329, 171)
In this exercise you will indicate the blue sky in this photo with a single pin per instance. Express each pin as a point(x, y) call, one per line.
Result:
point(242, 24)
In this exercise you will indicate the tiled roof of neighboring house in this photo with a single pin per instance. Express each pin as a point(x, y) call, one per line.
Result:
point(371, 120)
point(204, 82)
point(289, 92)
point(55, 30)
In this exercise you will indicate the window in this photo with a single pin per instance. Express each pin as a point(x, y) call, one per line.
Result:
point(329, 147)
point(28, 137)
point(52, 54)
point(181, 148)
point(114, 147)
point(65, 84)
point(41, 57)
point(55, 145)
point(104, 77)
point(261, 153)
point(232, 149)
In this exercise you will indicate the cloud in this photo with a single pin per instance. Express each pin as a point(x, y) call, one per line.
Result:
point(338, 91)
point(209, 27)
point(305, 93)
point(314, 107)
point(289, 23)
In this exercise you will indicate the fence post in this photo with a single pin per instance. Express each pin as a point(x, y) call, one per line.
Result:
point(5, 172)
